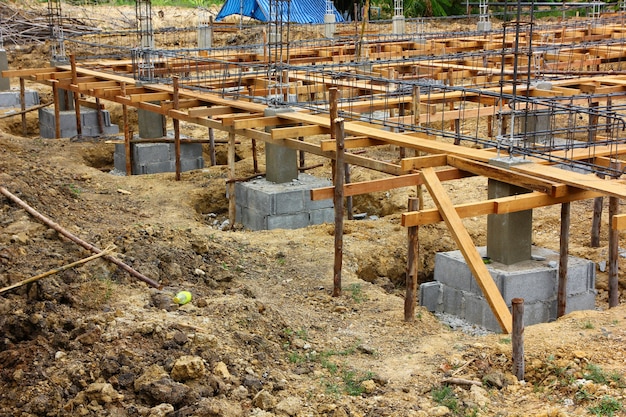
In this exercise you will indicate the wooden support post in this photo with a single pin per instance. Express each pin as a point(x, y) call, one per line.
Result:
point(23, 106)
point(593, 121)
point(349, 198)
point(301, 154)
point(231, 178)
point(127, 136)
point(212, 147)
point(468, 249)
point(57, 109)
point(457, 131)
point(596, 221)
point(410, 299)
point(613, 254)
point(563, 257)
point(79, 124)
point(255, 157)
point(100, 116)
point(338, 202)
point(176, 123)
point(333, 97)
point(517, 337)
point(416, 105)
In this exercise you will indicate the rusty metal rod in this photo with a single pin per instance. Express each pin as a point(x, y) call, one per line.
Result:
point(76, 239)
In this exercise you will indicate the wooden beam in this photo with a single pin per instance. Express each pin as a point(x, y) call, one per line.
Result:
point(419, 162)
point(210, 111)
point(468, 249)
point(500, 205)
point(385, 184)
point(243, 122)
point(351, 143)
point(297, 131)
point(159, 96)
point(504, 175)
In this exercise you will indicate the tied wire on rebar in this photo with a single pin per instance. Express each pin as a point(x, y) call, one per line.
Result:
point(278, 51)
point(549, 128)
point(55, 23)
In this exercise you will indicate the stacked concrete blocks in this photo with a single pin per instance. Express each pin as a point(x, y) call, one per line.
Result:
point(455, 291)
point(11, 99)
point(265, 205)
point(152, 158)
point(67, 120)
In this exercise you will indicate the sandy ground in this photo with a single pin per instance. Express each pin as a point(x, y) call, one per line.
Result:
point(263, 336)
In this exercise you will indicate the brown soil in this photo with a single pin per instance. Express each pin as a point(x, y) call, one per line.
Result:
point(263, 336)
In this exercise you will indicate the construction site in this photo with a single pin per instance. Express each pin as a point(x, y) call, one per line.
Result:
point(371, 215)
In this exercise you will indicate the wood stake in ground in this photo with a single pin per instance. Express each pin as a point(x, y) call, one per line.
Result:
point(76, 239)
point(107, 251)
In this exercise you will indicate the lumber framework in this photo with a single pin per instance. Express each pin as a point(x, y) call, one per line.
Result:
point(409, 120)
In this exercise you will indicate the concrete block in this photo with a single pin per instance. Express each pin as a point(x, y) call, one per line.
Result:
point(581, 275)
point(145, 153)
point(11, 99)
point(150, 124)
point(321, 216)
point(156, 167)
point(253, 219)
point(259, 200)
point(531, 284)
point(431, 295)
point(272, 201)
point(451, 270)
point(188, 150)
point(539, 312)
point(532, 280)
point(67, 121)
point(190, 164)
point(454, 300)
point(4, 65)
point(584, 301)
point(288, 202)
point(241, 197)
point(288, 221)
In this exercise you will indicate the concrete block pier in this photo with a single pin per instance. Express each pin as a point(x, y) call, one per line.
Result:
point(455, 291)
point(265, 205)
point(152, 158)
point(89, 123)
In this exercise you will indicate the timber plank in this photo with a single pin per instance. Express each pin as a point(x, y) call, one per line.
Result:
point(467, 247)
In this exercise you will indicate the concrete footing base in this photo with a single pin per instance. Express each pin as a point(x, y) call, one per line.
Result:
point(456, 292)
point(11, 99)
point(264, 205)
point(89, 123)
point(152, 158)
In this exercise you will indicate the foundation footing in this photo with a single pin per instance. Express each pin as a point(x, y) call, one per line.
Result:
point(265, 205)
point(455, 291)
point(89, 123)
point(11, 99)
point(153, 158)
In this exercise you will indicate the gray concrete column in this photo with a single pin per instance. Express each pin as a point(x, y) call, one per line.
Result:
point(151, 125)
point(398, 25)
point(281, 163)
point(329, 25)
point(5, 85)
point(509, 236)
point(205, 37)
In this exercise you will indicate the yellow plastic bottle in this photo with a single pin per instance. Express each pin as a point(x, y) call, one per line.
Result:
point(183, 297)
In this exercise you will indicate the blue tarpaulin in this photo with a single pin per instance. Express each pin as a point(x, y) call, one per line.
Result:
point(298, 11)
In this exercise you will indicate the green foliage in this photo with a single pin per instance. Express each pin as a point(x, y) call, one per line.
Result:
point(607, 406)
point(588, 325)
point(353, 382)
point(444, 395)
point(356, 292)
point(596, 374)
